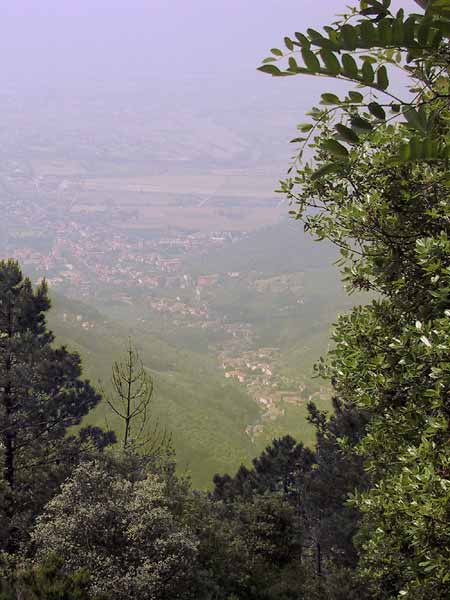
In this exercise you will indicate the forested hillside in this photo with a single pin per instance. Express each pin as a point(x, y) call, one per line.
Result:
point(208, 417)
point(205, 414)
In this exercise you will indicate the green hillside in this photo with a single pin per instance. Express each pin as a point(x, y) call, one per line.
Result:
point(206, 415)
point(288, 298)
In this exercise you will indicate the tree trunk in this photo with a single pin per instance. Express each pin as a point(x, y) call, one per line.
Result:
point(129, 393)
point(319, 559)
point(9, 433)
point(9, 440)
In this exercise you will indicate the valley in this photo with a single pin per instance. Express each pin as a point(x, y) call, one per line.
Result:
point(191, 255)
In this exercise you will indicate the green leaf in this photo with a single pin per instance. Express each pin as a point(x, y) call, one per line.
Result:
point(368, 12)
point(444, 24)
point(409, 29)
point(349, 66)
point(333, 37)
point(355, 96)
point(413, 118)
point(405, 152)
point(313, 34)
point(305, 127)
point(423, 32)
point(329, 99)
point(412, 150)
point(349, 37)
point(368, 36)
point(368, 74)
point(385, 32)
point(311, 60)
point(430, 149)
point(413, 53)
point(347, 134)
point(330, 61)
point(377, 111)
point(270, 70)
point(423, 118)
point(326, 43)
point(270, 59)
point(397, 32)
point(369, 58)
point(439, 7)
point(293, 66)
point(335, 148)
point(375, 8)
point(361, 124)
point(436, 39)
point(326, 169)
point(289, 43)
point(302, 39)
point(416, 149)
point(382, 78)
point(276, 51)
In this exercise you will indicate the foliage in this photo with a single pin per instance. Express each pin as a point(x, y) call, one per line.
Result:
point(122, 531)
point(41, 397)
point(379, 190)
point(361, 48)
point(316, 486)
point(280, 468)
point(330, 524)
point(249, 549)
point(47, 581)
point(283, 529)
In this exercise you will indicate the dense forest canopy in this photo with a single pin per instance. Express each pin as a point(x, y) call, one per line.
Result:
point(363, 514)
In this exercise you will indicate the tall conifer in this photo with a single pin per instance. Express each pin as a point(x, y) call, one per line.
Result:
point(41, 395)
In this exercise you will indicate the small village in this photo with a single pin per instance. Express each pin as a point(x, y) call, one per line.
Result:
point(86, 257)
point(257, 371)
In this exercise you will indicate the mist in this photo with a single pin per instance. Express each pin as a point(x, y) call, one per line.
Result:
point(53, 46)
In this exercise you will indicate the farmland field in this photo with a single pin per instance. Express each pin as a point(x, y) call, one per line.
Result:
point(222, 200)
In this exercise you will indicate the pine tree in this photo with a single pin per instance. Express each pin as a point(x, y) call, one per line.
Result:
point(281, 467)
point(41, 397)
point(131, 401)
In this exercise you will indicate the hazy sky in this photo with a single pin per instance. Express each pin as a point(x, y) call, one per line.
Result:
point(62, 42)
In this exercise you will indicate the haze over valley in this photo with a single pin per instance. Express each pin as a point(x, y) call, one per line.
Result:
point(224, 300)
point(148, 204)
